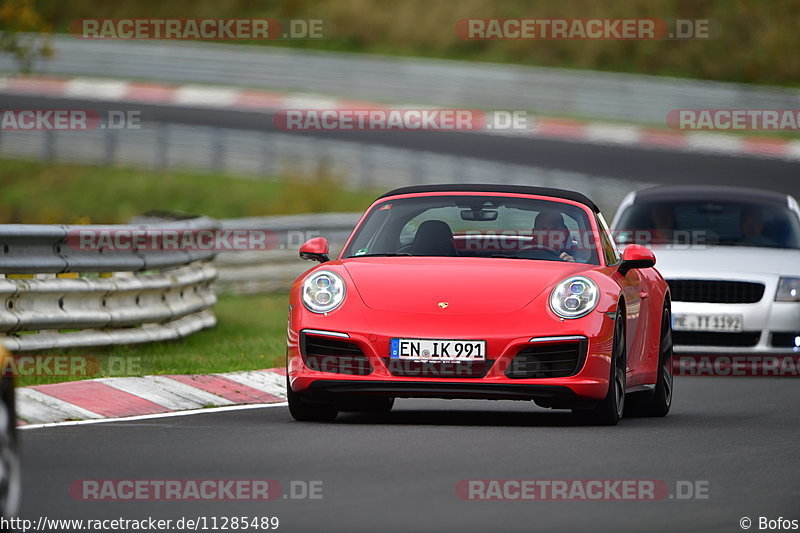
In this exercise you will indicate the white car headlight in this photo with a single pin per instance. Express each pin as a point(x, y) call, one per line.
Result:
point(323, 291)
point(788, 290)
point(574, 297)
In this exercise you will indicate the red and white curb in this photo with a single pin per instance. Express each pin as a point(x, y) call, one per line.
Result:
point(269, 101)
point(103, 398)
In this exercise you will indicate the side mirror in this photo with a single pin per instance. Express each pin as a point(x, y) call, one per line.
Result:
point(636, 256)
point(315, 249)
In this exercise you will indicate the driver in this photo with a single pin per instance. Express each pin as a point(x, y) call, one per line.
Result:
point(549, 231)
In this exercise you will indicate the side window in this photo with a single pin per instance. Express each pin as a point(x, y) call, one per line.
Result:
point(610, 251)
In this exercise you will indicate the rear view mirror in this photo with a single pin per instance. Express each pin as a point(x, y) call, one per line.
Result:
point(479, 215)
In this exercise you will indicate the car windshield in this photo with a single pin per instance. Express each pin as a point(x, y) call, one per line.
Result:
point(476, 226)
point(729, 223)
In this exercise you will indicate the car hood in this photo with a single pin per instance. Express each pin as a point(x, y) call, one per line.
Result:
point(717, 261)
point(467, 285)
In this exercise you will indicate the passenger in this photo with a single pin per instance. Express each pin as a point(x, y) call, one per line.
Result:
point(751, 228)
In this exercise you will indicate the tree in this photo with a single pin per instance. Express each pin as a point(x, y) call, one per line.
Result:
point(24, 33)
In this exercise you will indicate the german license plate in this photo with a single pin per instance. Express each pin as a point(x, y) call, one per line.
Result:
point(697, 322)
point(441, 350)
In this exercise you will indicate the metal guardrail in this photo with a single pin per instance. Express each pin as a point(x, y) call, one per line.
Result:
point(584, 93)
point(55, 295)
point(250, 272)
point(43, 249)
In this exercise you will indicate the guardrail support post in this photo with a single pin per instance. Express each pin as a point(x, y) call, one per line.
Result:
point(162, 145)
point(110, 145)
point(49, 146)
point(217, 148)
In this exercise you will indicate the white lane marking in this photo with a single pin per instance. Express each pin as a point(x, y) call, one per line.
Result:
point(205, 96)
point(714, 142)
point(270, 382)
point(154, 416)
point(309, 101)
point(611, 133)
point(149, 389)
point(36, 406)
point(792, 150)
point(95, 89)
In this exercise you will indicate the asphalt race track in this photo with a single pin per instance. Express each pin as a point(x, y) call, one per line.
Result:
point(622, 162)
point(398, 472)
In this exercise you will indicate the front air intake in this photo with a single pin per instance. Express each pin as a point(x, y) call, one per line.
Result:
point(548, 360)
point(325, 354)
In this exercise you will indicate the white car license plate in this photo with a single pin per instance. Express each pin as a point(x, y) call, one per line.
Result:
point(720, 323)
point(441, 350)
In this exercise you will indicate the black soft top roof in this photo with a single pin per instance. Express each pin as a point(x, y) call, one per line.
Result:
point(516, 189)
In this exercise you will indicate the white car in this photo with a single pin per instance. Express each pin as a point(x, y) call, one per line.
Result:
point(731, 257)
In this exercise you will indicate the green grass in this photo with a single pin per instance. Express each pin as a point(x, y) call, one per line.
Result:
point(756, 41)
point(40, 193)
point(250, 334)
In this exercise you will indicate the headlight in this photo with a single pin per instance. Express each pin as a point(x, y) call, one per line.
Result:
point(323, 291)
point(788, 290)
point(574, 297)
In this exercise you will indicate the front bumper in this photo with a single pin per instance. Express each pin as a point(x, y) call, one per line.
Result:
point(768, 328)
point(589, 382)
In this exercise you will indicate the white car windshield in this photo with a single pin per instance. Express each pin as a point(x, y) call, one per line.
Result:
point(728, 223)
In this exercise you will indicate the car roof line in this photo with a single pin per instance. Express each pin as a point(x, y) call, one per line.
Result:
point(515, 189)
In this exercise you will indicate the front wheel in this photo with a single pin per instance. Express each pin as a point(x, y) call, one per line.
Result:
point(608, 411)
point(303, 410)
point(659, 403)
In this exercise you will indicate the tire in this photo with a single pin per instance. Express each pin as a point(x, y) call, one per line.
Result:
point(10, 475)
point(367, 405)
point(610, 409)
point(304, 411)
point(659, 403)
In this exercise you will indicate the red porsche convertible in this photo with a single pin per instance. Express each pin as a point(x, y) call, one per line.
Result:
point(480, 291)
